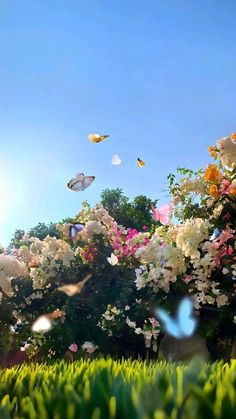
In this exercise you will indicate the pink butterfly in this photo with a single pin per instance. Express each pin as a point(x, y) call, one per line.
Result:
point(163, 214)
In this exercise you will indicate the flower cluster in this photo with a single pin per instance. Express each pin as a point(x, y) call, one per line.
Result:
point(150, 331)
point(44, 258)
point(10, 268)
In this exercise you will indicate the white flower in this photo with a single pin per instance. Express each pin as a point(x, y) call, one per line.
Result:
point(227, 149)
point(89, 347)
point(130, 323)
point(190, 235)
point(222, 300)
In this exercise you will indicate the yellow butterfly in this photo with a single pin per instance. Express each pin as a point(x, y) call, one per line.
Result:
point(73, 289)
point(140, 163)
point(97, 138)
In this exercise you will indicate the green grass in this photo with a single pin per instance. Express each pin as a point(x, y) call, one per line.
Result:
point(100, 389)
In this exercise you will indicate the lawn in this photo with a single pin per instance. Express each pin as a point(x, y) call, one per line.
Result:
point(105, 388)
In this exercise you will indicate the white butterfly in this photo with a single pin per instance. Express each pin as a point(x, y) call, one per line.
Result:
point(113, 260)
point(41, 324)
point(184, 325)
point(80, 182)
point(116, 160)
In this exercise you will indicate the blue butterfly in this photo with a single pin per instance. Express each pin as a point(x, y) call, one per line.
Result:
point(216, 233)
point(184, 325)
point(75, 229)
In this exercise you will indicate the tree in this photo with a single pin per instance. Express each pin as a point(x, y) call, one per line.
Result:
point(42, 230)
point(134, 214)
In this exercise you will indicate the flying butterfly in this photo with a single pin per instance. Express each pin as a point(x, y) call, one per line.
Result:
point(184, 325)
point(113, 260)
point(74, 229)
point(97, 138)
point(44, 322)
point(80, 182)
point(116, 160)
point(73, 289)
point(163, 214)
point(140, 163)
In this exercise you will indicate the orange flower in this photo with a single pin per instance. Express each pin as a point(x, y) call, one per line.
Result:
point(214, 192)
point(233, 136)
point(212, 151)
point(212, 174)
point(232, 191)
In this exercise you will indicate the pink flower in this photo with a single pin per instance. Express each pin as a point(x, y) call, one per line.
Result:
point(225, 186)
point(154, 322)
point(73, 347)
point(223, 252)
point(187, 278)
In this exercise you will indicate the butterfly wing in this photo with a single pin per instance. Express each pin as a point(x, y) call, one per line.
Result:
point(140, 163)
point(165, 214)
point(75, 229)
point(113, 260)
point(116, 160)
point(76, 183)
point(97, 138)
point(187, 323)
point(87, 182)
point(171, 327)
point(41, 324)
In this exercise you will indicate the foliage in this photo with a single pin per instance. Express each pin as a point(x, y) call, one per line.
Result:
point(133, 271)
point(119, 389)
point(134, 214)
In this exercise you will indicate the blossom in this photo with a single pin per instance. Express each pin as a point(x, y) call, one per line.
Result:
point(212, 151)
point(154, 322)
point(212, 174)
point(10, 268)
point(73, 347)
point(227, 149)
point(190, 235)
point(130, 323)
point(89, 347)
point(213, 191)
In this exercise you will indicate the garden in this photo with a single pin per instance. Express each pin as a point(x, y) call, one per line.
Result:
point(80, 334)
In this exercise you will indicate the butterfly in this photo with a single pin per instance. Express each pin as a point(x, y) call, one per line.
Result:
point(113, 260)
point(140, 162)
point(163, 214)
point(216, 233)
point(44, 323)
point(41, 324)
point(184, 325)
point(73, 289)
point(80, 182)
point(116, 160)
point(74, 229)
point(97, 138)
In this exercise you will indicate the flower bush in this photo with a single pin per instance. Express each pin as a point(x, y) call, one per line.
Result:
point(114, 311)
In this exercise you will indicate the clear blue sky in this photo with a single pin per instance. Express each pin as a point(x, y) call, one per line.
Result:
point(158, 76)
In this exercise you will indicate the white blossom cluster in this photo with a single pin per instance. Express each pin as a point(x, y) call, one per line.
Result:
point(50, 254)
point(161, 263)
point(10, 268)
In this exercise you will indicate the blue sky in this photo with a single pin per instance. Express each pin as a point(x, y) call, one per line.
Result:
point(158, 76)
